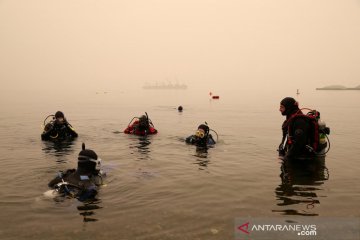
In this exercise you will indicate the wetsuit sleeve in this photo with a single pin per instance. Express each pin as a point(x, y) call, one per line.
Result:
point(284, 129)
point(61, 176)
point(190, 139)
point(71, 130)
point(281, 149)
point(299, 138)
point(55, 181)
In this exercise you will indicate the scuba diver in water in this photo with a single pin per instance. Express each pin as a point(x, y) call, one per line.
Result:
point(304, 135)
point(83, 182)
point(141, 126)
point(58, 129)
point(202, 137)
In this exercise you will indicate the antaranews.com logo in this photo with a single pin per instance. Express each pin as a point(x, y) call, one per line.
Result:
point(297, 228)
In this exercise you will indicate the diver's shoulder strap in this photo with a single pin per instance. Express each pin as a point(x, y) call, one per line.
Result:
point(68, 172)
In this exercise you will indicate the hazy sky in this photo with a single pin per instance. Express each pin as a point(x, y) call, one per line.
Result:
point(118, 44)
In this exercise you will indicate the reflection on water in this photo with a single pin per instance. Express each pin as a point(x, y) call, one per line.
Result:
point(141, 145)
point(171, 192)
point(87, 210)
point(58, 149)
point(300, 185)
point(202, 157)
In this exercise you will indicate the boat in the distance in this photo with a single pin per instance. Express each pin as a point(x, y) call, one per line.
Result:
point(162, 85)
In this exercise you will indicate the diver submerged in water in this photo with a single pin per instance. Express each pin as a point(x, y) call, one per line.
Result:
point(304, 135)
point(202, 137)
point(58, 129)
point(83, 182)
point(141, 126)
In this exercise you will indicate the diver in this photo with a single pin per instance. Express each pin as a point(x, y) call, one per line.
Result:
point(58, 128)
point(303, 135)
point(81, 183)
point(141, 126)
point(202, 137)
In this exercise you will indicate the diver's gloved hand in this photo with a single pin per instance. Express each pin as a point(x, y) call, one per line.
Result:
point(49, 127)
point(189, 139)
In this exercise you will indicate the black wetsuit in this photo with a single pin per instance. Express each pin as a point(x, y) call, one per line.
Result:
point(298, 138)
point(56, 131)
point(200, 142)
point(82, 185)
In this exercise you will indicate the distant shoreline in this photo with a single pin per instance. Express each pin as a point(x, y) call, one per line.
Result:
point(337, 88)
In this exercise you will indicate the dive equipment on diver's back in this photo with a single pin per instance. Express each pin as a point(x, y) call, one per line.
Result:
point(316, 142)
point(140, 126)
point(322, 134)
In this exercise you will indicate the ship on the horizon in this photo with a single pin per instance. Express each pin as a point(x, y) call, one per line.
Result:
point(338, 87)
point(163, 85)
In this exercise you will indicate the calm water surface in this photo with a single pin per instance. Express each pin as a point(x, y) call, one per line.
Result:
point(159, 187)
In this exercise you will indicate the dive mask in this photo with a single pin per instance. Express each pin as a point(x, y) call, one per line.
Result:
point(86, 158)
point(200, 133)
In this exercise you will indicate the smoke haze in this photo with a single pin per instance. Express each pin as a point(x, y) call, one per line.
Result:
point(226, 45)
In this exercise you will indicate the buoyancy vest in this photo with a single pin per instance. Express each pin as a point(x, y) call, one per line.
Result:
point(311, 119)
point(134, 129)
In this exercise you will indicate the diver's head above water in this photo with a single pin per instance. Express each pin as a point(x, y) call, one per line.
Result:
point(288, 106)
point(143, 123)
point(202, 131)
point(201, 135)
point(88, 161)
point(60, 117)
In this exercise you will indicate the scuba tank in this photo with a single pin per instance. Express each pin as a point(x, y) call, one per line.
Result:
point(318, 142)
point(322, 134)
